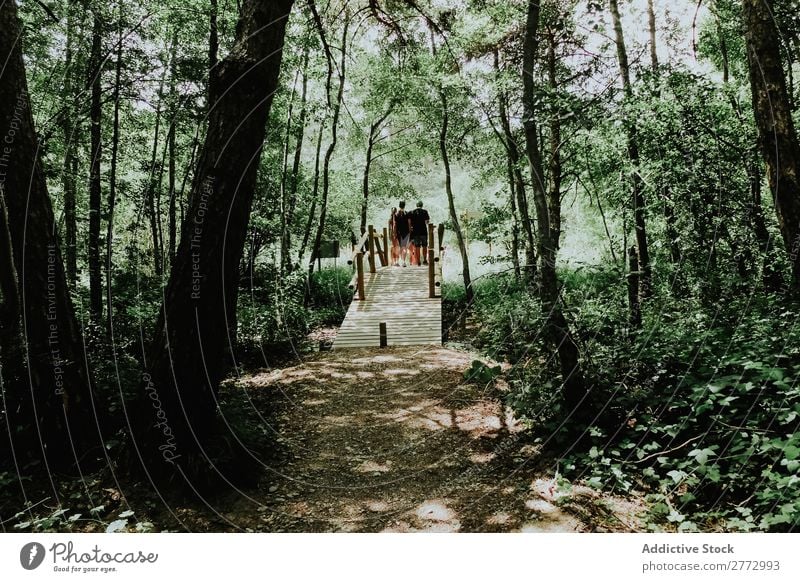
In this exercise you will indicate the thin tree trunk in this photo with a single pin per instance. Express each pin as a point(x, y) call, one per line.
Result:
point(197, 321)
point(448, 184)
point(54, 419)
point(172, 226)
point(70, 166)
point(150, 202)
point(670, 219)
point(514, 220)
point(314, 196)
point(288, 217)
point(556, 170)
point(284, 195)
point(557, 330)
point(213, 48)
point(112, 181)
point(95, 187)
point(651, 21)
point(374, 131)
point(337, 105)
point(12, 350)
point(637, 194)
point(512, 149)
point(771, 277)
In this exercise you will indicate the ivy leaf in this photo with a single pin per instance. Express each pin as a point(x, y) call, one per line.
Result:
point(702, 455)
point(675, 517)
point(677, 475)
point(116, 525)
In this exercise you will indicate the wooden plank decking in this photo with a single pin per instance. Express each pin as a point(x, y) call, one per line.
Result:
point(399, 297)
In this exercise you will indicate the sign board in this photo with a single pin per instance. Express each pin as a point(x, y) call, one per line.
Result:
point(328, 249)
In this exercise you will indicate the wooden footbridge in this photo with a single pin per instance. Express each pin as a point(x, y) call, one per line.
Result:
point(393, 306)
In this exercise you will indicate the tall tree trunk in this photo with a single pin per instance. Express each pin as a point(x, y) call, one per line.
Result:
point(670, 219)
point(12, 350)
point(284, 194)
point(314, 196)
point(197, 321)
point(337, 105)
point(54, 390)
point(95, 185)
point(70, 166)
point(771, 276)
point(288, 217)
point(112, 179)
point(213, 48)
point(776, 131)
point(637, 194)
point(514, 219)
point(448, 184)
point(777, 135)
point(171, 177)
point(512, 149)
point(651, 22)
point(150, 193)
point(374, 131)
point(557, 329)
point(556, 170)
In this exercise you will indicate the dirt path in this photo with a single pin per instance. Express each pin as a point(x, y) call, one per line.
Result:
point(394, 440)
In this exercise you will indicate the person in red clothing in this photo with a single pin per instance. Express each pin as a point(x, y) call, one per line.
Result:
point(401, 232)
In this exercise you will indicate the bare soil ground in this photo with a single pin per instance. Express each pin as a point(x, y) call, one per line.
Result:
point(395, 440)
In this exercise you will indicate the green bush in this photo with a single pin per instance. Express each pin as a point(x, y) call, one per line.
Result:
point(701, 410)
point(329, 296)
point(272, 316)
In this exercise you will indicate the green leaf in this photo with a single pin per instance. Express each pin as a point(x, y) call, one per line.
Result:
point(116, 525)
point(677, 475)
point(675, 517)
point(702, 455)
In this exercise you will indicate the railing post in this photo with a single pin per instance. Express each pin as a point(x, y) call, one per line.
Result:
point(371, 248)
point(360, 278)
point(430, 235)
point(441, 238)
point(431, 274)
point(386, 246)
point(382, 337)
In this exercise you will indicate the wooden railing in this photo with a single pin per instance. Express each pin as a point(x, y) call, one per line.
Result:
point(370, 245)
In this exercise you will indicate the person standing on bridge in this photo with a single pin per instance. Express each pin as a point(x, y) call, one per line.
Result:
point(395, 253)
point(400, 225)
point(419, 231)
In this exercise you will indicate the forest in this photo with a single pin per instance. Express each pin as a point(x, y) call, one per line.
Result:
point(183, 183)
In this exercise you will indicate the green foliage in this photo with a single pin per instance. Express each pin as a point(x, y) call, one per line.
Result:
point(277, 311)
point(329, 296)
point(480, 373)
point(704, 416)
point(272, 316)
